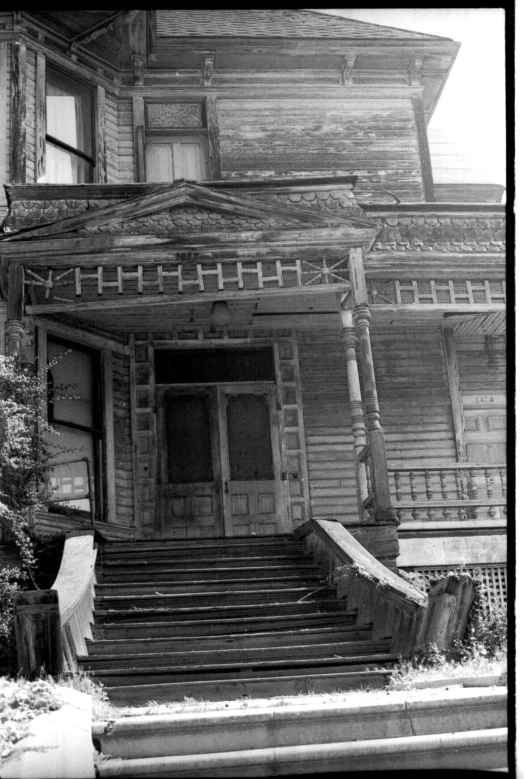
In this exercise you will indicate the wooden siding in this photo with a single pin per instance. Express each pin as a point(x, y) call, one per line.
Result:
point(112, 139)
point(374, 139)
point(123, 441)
point(414, 395)
point(126, 155)
point(414, 402)
point(482, 364)
point(31, 111)
point(327, 422)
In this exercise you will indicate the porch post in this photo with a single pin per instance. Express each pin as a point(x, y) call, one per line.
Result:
point(384, 512)
point(14, 328)
point(358, 422)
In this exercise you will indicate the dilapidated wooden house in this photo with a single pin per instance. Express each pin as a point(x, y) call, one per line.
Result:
point(222, 229)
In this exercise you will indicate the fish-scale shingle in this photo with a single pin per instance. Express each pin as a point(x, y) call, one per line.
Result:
point(273, 23)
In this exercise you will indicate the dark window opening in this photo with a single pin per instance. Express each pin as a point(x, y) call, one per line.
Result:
point(205, 366)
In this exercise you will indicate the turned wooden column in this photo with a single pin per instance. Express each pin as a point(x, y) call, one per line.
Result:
point(358, 421)
point(14, 328)
point(384, 512)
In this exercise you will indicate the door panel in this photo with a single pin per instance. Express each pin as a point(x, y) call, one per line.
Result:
point(189, 492)
point(252, 475)
point(485, 428)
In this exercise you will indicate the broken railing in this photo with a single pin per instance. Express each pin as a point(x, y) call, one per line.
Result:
point(377, 596)
point(52, 626)
point(457, 491)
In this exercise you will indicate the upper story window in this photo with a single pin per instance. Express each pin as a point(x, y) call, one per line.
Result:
point(176, 142)
point(69, 130)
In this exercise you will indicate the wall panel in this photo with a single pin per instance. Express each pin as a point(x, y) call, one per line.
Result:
point(126, 158)
point(123, 441)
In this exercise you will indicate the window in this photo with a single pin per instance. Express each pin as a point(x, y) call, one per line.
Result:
point(69, 131)
point(73, 403)
point(177, 141)
point(182, 157)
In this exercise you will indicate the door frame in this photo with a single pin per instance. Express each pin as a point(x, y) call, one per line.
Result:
point(269, 389)
point(216, 392)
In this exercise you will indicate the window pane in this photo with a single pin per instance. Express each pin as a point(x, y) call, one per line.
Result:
point(69, 481)
point(188, 439)
point(71, 384)
point(213, 365)
point(249, 438)
point(69, 111)
point(62, 167)
point(188, 161)
point(159, 161)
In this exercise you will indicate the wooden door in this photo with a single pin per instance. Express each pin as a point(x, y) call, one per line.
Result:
point(252, 478)
point(189, 493)
point(485, 428)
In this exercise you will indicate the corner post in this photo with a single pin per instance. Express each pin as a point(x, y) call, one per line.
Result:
point(384, 513)
point(358, 421)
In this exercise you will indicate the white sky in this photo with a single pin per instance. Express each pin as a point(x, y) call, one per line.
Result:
point(467, 130)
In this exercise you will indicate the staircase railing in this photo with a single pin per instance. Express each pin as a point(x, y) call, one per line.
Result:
point(458, 491)
point(52, 626)
point(379, 597)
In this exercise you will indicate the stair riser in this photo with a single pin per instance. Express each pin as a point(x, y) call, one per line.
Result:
point(204, 575)
point(238, 688)
point(256, 641)
point(284, 653)
point(231, 612)
point(210, 599)
point(178, 736)
point(141, 553)
point(182, 563)
point(194, 587)
point(215, 627)
point(215, 543)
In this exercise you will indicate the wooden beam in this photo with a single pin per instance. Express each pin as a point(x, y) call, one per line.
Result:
point(213, 137)
point(457, 411)
point(100, 140)
point(181, 298)
point(3, 122)
point(81, 336)
point(40, 118)
point(109, 434)
point(423, 145)
point(18, 113)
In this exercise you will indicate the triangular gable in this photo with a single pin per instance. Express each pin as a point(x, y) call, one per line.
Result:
point(273, 23)
point(190, 208)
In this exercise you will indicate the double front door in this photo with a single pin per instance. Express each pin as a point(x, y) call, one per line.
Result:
point(220, 471)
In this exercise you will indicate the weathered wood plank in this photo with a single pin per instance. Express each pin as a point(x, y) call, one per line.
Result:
point(457, 411)
point(40, 117)
point(100, 137)
point(213, 135)
point(18, 113)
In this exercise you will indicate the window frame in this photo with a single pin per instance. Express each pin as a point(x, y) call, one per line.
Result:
point(96, 430)
point(56, 142)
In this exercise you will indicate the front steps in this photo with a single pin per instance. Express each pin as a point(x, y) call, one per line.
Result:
point(429, 729)
point(224, 618)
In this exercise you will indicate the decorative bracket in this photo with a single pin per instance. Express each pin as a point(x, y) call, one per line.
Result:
point(415, 65)
point(347, 69)
point(207, 70)
point(138, 70)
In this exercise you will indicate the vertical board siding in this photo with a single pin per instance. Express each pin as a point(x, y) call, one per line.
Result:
point(31, 113)
point(123, 441)
point(112, 134)
point(482, 364)
point(327, 423)
point(126, 153)
point(374, 139)
point(413, 395)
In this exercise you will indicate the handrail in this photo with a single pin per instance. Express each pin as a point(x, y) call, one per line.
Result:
point(448, 467)
point(379, 596)
point(62, 614)
point(75, 585)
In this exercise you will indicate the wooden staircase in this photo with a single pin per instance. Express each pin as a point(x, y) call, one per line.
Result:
point(220, 619)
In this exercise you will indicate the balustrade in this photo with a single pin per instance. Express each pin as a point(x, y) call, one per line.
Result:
point(445, 492)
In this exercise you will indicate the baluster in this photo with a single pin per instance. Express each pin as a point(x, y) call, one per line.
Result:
point(446, 511)
point(459, 479)
point(429, 493)
point(413, 486)
point(473, 493)
point(398, 486)
point(493, 512)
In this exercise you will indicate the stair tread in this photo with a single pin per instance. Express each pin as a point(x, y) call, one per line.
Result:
point(208, 594)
